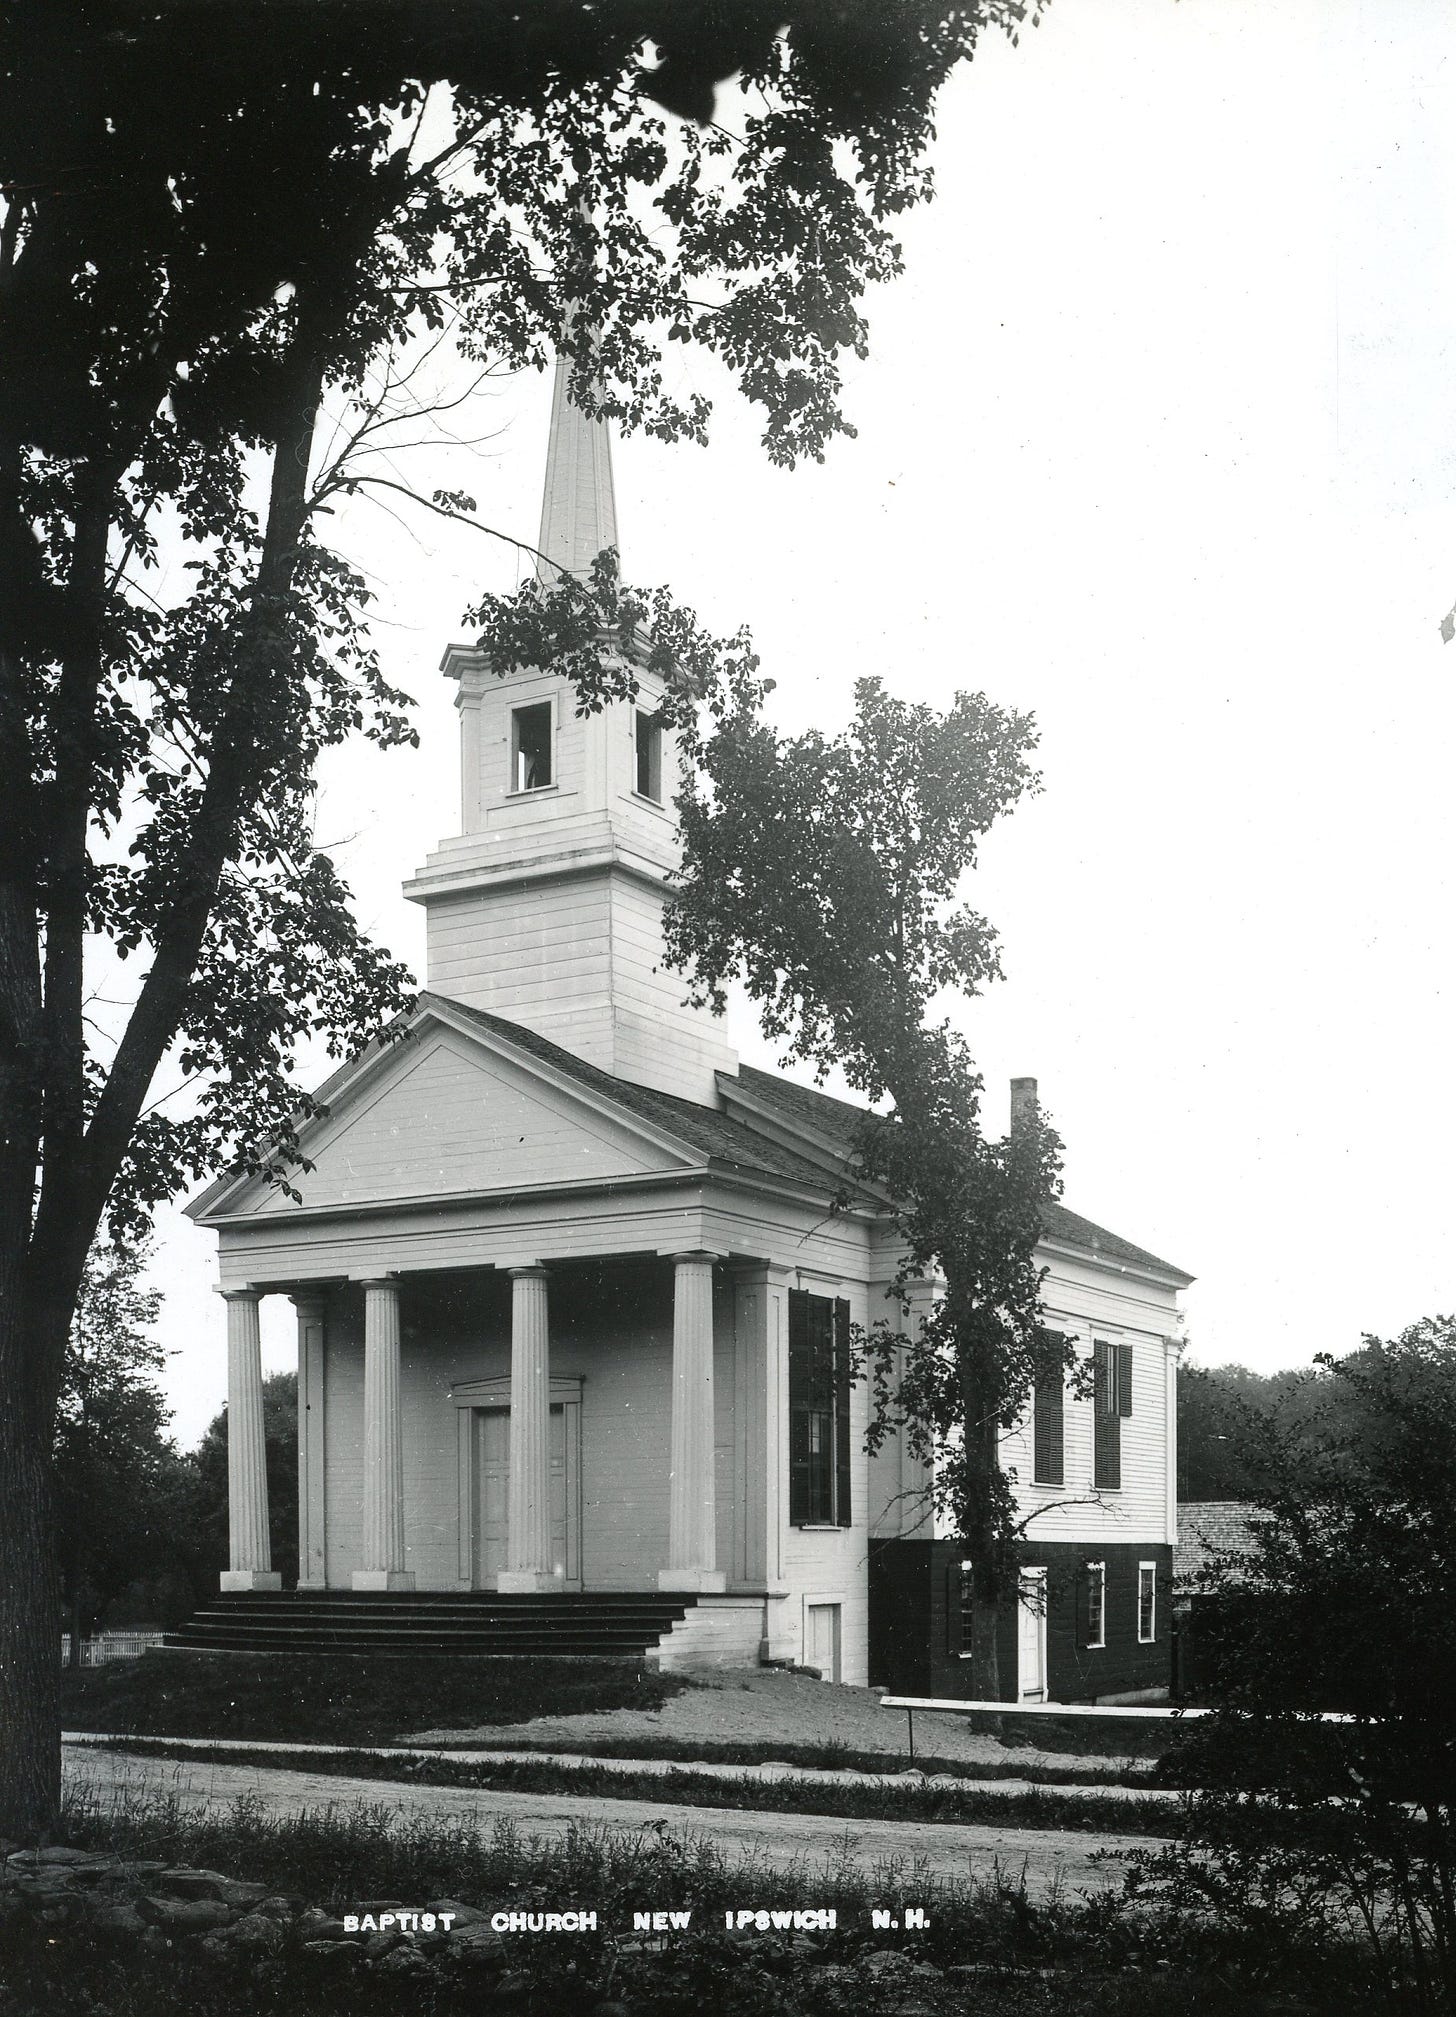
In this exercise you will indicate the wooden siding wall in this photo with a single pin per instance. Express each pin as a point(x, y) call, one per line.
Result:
point(580, 960)
point(916, 1625)
point(539, 954)
point(1091, 1302)
point(613, 1331)
point(441, 1120)
point(826, 1565)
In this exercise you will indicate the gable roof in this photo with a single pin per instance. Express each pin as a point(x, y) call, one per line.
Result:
point(716, 1135)
point(837, 1119)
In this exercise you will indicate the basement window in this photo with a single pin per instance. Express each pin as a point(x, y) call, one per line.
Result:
point(531, 751)
point(649, 757)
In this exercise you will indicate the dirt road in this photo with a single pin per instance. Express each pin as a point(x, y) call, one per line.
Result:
point(941, 1850)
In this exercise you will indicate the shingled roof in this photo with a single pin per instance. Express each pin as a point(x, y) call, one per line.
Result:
point(837, 1119)
point(736, 1144)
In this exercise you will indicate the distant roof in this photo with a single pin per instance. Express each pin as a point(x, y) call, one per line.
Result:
point(724, 1140)
point(1208, 1528)
point(838, 1119)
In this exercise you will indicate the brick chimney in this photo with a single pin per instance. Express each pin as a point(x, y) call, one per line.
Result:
point(1023, 1103)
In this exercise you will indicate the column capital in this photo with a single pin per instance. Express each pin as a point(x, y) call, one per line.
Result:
point(383, 1280)
point(531, 1271)
point(706, 1255)
point(309, 1301)
point(244, 1295)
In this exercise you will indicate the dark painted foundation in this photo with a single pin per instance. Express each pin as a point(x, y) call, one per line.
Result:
point(917, 1626)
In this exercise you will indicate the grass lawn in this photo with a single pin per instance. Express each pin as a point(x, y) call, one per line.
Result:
point(831, 1756)
point(988, 1950)
point(891, 1800)
point(340, 1698)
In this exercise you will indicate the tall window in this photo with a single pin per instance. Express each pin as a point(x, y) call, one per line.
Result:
point(1046, 1416)
point(531, 746)
point(1111, 1401)
point(819, 1450)
point(1147, 1602)
point(649, 756)
point(1095, 1599)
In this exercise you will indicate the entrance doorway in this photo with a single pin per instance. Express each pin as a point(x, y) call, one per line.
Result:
point(1031, 1637)
point(490, 1496)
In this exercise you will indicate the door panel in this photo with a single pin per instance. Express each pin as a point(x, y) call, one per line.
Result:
point(1031, 1624)
point(823, 1637)
point(492, 1494)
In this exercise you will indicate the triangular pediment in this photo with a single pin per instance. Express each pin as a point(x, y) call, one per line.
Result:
point(445, 1112)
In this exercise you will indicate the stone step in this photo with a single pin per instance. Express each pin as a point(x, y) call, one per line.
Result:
point(435, 1623)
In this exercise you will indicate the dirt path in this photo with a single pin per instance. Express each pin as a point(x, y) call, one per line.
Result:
point(768, 1841)
point(761, 1706)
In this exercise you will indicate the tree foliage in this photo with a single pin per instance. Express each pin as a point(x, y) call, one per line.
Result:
point(1343, 1599)
point(823, 873)
point(207, 1540)
point(118, 1473)
point(218, 224)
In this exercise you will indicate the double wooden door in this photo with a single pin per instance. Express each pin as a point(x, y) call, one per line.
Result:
point(492, 1476)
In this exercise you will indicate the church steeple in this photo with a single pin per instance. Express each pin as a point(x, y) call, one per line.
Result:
point(579, 505)
point(547, 908)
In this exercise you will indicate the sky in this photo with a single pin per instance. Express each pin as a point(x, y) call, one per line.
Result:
point(1155, 439)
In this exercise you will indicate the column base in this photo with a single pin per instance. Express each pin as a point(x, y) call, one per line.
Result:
point(250, 1579)
point(382, 1579)
point(528, 1583)
point(706, 1582)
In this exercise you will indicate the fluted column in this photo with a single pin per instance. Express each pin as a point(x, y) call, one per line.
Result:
point(250, 1558)
point(383, 1564)
point(692, 1539)
point(312, 1308)
point(528, 1499)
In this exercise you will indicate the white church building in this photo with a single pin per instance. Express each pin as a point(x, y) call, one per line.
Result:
point(573, 1307)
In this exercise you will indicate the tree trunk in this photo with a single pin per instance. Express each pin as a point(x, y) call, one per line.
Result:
point(30, 1596)
point(74, 1661)
point(985, 1545)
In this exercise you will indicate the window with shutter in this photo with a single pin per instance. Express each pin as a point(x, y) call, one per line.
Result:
point(819, 1384)
point(842, 1369)
point(1106, 1418)
point(1047, 1418)
point(798, 1408)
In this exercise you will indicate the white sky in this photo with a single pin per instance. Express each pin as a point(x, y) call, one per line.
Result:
point(1156, 438)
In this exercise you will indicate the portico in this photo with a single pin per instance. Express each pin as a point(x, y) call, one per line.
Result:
point(486, 1428)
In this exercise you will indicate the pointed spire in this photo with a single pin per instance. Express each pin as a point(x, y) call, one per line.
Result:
point(579, 508)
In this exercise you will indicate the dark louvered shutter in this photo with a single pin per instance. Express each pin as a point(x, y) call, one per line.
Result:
point(1046, 1418)
point(1124, 1379)
point(800, 1387)
point(1106, 1423)
point(842, 1513)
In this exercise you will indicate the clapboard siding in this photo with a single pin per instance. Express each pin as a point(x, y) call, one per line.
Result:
point(1138, 1506)
point(446, 1117)
point(827, 1564)
point(918, 1631)
point(611, 1329)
